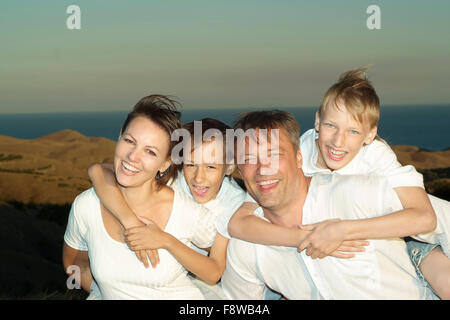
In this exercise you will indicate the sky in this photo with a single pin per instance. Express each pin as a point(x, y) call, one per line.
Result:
point(217, 54)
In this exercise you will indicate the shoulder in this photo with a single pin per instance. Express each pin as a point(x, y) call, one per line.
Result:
point(230, 188)
point(379, 150)
point(86, 201)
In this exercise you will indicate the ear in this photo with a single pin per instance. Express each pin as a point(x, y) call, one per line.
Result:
point(371, 135)
point(230, 169)
point(299, 159)
point(165, 165)
point(317, 121)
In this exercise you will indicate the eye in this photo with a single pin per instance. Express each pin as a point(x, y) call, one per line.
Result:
point(328, 125)
point(128, 140)
point(189, 165)
point(211, 167)
point(354, 132)
point(150, 152)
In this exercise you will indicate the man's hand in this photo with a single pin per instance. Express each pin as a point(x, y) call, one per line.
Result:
point(327, 239)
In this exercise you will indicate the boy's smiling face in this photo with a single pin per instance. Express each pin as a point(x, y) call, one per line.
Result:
point(341, 136)
point(204, 176)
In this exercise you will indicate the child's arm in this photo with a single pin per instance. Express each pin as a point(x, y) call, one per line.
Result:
point(246, 226)
point(208, 269)
point(105, 185)
point(416, 217)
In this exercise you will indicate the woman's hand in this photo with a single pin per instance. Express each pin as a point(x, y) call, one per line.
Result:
point(328, 239)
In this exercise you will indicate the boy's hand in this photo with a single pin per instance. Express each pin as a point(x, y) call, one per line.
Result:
point(147, 238)
point(327, 239)
point(152, 255)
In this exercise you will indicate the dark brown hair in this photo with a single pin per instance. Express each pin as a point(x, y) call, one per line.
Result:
point(162, 111)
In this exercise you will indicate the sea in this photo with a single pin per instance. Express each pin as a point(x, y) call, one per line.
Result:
point(425, 126)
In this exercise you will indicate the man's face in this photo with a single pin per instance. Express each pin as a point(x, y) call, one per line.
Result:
point(341, 136)
point(274, 190)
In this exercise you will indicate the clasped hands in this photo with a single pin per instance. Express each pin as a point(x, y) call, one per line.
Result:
point(327, 238)
point(145, 241)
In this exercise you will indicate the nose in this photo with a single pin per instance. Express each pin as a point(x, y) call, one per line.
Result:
point(199, 175)
point(267, 166)
point(338, 139)
point(133, 155)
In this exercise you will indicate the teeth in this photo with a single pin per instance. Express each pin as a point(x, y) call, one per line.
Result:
point(129, 167)
point(264, 183)
point(336, 153)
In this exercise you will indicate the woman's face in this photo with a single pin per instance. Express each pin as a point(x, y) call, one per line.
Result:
point(204, 176)
point(141, 151)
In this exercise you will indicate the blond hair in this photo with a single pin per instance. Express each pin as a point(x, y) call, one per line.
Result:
point(355, 91)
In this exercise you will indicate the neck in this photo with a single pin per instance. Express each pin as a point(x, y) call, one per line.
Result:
point(291, 213)
point(139, 196)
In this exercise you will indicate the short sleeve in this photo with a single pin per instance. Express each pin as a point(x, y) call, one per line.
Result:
point(75, 235)
point(380, 159)
point(442, 232)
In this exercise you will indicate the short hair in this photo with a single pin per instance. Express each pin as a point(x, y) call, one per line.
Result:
point(206, 124)
point(162, 111)
point(271, 119)
point(358, 95)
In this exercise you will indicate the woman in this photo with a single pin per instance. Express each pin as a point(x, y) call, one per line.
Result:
point(205, 179)
point(142, 166)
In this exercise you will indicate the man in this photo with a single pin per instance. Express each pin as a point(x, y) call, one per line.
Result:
point(288, 198)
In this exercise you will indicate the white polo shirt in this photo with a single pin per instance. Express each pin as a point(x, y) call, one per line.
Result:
point(384, 271)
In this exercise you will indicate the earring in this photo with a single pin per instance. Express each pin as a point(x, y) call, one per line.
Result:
point(159, 175)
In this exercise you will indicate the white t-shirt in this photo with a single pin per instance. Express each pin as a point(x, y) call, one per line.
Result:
point(229, 198)
point(383, 271)
point(115, 268)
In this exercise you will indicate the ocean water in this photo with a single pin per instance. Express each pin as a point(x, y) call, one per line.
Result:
point(425, 126)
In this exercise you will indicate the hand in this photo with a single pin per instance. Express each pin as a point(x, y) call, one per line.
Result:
point(152, 255)
point(148, 238)
point(145, 255)
point(327, 239)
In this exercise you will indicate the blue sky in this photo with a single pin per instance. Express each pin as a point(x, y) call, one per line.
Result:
point(217, 54)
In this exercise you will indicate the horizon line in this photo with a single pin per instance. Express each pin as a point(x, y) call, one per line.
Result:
point(208, 109)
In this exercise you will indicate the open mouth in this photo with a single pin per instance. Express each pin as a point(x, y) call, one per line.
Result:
point(267, 185)
point(335, 155)
point(129, 169)
point(200, 190)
